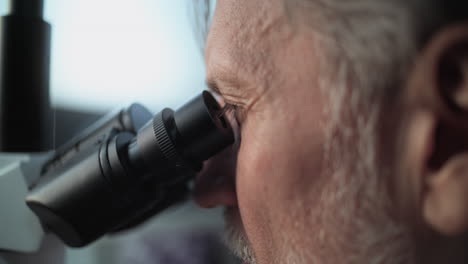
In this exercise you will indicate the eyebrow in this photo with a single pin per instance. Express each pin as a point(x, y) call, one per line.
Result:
point(213, 86)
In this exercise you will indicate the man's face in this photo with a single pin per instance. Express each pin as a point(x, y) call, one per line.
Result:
point(288, 202)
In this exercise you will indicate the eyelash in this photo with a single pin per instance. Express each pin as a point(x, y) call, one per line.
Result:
point(231, 111)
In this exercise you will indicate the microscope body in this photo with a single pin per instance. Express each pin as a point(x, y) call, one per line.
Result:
point(24, 238)
point(121, 171)
point(118, 173)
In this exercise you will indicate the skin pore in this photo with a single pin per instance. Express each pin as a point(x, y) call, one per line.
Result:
point(316, 175)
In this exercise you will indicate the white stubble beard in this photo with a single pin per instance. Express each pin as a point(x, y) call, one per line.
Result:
point(235, 238)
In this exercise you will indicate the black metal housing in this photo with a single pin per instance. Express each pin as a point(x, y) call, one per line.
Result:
point(25, 114)
point(112, 178)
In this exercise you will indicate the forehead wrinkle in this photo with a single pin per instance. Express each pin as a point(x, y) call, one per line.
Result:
point(239, 50)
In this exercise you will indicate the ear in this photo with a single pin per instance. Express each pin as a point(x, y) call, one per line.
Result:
point(439, 88)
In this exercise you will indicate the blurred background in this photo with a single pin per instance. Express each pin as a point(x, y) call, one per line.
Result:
point(107, 54)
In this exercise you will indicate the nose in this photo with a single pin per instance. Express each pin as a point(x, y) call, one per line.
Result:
point(215, 185)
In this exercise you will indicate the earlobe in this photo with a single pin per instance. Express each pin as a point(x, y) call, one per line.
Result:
point(445, 202)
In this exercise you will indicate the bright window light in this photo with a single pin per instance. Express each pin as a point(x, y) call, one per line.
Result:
point(109, 53)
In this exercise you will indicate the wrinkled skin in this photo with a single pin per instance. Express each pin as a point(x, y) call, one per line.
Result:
point(282, 194)
point(263, 63)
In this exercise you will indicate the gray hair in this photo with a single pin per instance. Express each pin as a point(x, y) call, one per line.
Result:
point(369, 47)
point(380, 33)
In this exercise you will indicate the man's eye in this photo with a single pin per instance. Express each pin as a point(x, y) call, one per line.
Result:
point(231, 112)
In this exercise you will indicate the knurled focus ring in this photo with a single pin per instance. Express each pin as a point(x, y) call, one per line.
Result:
point(162, 138)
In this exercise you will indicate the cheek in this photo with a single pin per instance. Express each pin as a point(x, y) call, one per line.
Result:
point(279, 166)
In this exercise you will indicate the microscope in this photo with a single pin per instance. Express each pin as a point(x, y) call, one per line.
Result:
point(122, 170)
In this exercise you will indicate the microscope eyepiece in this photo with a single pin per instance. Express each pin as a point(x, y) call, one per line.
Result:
point(190, 135)
point(125, 175)
point(202, 128)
